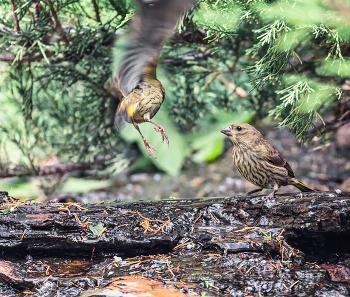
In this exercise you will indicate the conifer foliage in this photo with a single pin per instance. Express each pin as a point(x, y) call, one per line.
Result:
point(287, 59)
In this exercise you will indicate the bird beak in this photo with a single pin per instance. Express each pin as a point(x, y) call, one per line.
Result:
point(227, 131)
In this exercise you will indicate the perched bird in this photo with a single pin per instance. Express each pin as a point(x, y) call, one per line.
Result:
point(143, 92)
point(258, 161)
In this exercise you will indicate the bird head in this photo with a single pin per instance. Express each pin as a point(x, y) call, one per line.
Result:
point(241, 133)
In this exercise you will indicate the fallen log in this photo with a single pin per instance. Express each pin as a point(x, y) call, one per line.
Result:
point(293, 244)
point(309, 221)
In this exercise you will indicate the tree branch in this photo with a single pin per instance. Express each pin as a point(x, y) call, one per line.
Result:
point(97, 13)
point(27, 58)
point(328, 126)
point(114, 6)
point(38, 8)
point(15, 15)
point(58, 24)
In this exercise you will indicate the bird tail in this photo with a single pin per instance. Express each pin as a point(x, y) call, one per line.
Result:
point(302, 187)
point(125, 113)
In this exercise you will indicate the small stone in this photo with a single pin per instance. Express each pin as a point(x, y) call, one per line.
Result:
point(338, 191)
point(264, 287)
point(157, 177)
point(197, 182)
point(117, 259)
point(29, 258)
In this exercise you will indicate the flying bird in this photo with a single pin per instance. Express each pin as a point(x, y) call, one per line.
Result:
point(143, 94)
point(258, 161)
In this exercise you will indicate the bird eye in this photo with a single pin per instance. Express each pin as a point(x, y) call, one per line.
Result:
point(239, 128)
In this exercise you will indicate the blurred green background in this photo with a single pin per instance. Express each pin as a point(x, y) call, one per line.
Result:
point(282, 62)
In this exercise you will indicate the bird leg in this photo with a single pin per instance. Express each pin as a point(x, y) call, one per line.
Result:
point(159, 129)
point(269, 196)
point(149, 148)
point(252, 192)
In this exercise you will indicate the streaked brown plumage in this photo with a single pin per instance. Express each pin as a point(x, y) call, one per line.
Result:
point(143, 93)
point(258, 161)
point(141, 105)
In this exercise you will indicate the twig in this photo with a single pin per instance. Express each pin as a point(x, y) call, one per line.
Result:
point(97, 13)
point(24, 232)
point(38, 8)
point(293, 284)
point(228, 84)
point(329, 126)
point(167, 264)
point(147, 219)
point(58, 24)
point(199, 217)
point(182, 244)
point(26, 58)
point(250, 269)
point(214, 76)
point(214, 218)
point(15, 15)
point(84, 11)
point(116, 8)
point(213, 233)
point(46, 279)
point(103, 230)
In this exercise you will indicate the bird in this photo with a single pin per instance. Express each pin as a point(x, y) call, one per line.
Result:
point(258, 161)
point(143, 94)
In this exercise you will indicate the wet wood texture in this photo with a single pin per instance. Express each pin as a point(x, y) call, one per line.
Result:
point(227, 246)
point(308, 220)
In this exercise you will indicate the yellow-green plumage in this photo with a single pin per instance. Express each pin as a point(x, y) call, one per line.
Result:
point(258, 161)
point(303, 187)
point(142, 103)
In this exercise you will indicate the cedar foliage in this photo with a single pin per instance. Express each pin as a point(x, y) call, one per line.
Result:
point(286, 59)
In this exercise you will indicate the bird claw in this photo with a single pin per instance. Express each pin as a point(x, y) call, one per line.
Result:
point(149, 149)
point(271, 195)
point(164, 135)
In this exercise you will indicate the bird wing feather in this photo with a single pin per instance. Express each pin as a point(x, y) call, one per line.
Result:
point(152, 26)
point(274, 157)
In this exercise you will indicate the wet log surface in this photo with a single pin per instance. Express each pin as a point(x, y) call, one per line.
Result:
point(295, 245)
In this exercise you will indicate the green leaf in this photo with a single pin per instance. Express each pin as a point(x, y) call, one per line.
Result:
point(169, 159)
point(207, 146)
point(97, 229)
point(21, 189)
point(81, 185)
point(210, 145)
point(5, 211)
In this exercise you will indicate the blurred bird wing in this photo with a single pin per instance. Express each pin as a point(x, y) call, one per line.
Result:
point(119, 122)
point(152, 26)
point(274, 157)
point(133, 69)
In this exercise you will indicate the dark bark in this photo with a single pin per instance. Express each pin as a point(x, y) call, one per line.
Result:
point(13, 274)
point(14, 14)
point(97, 13)
point(295, 244)
point(308, 221)
point(58, 23)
